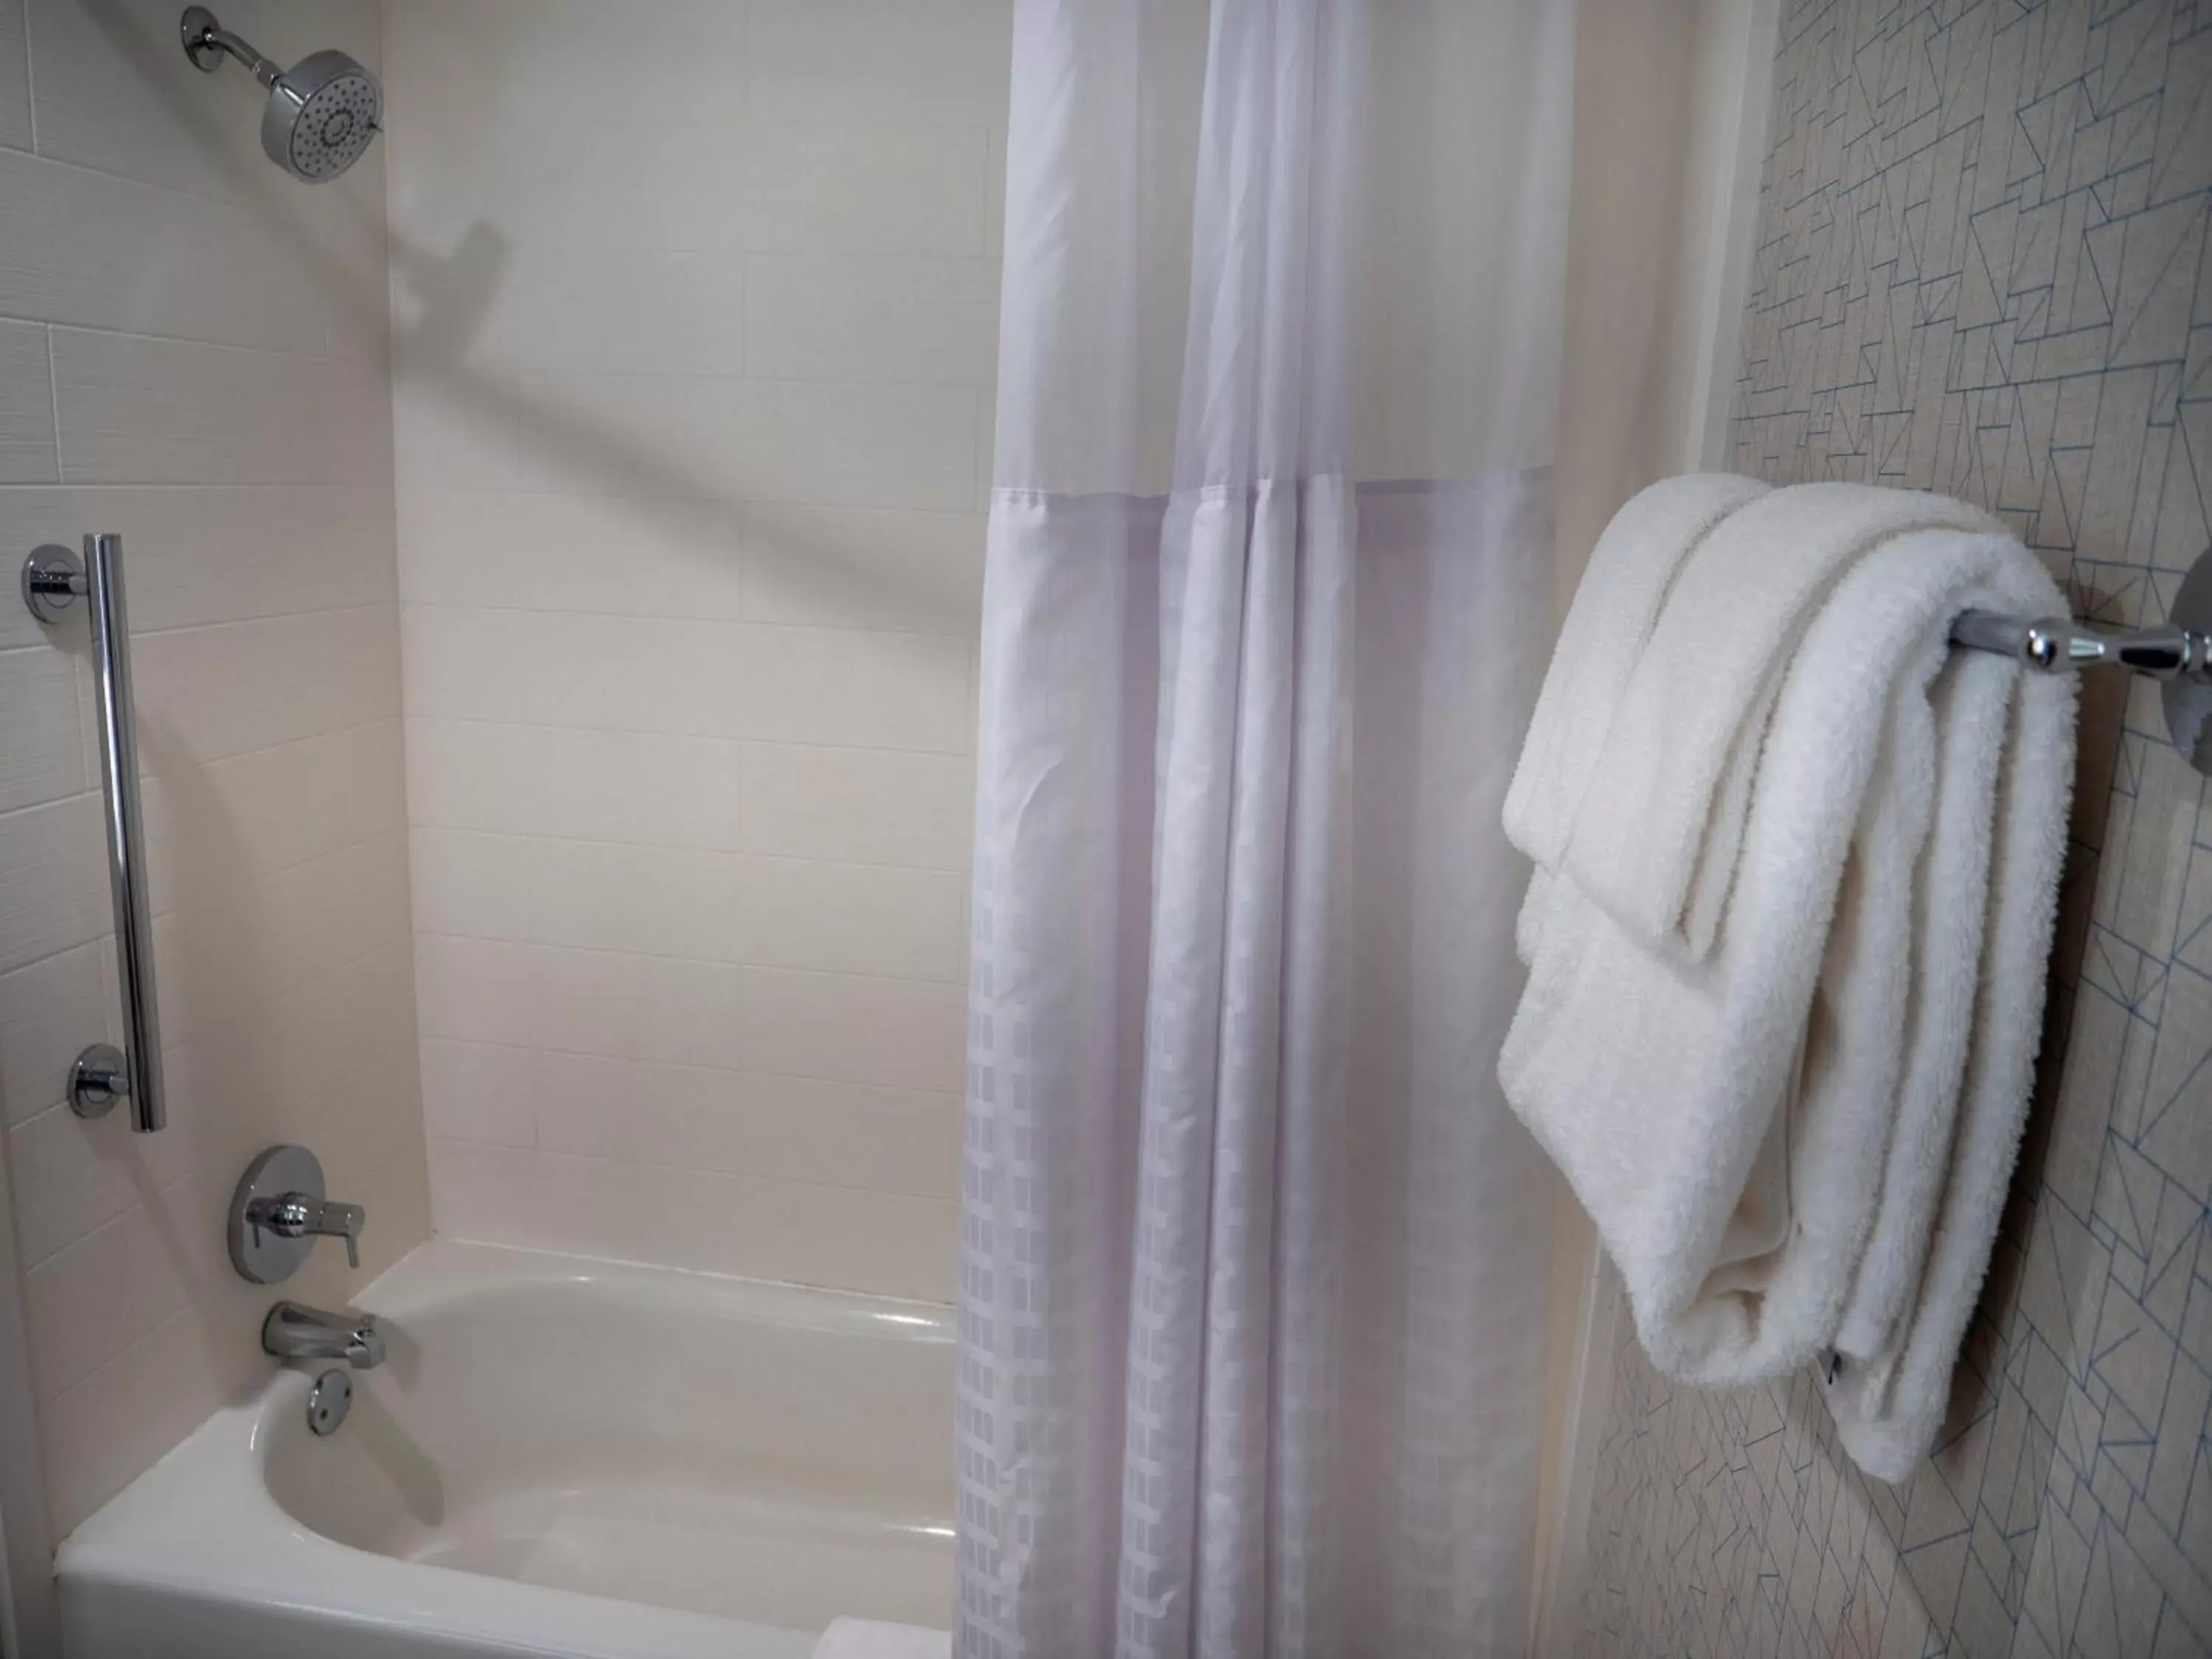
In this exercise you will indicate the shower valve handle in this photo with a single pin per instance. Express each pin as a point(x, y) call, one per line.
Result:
point(297, 1215)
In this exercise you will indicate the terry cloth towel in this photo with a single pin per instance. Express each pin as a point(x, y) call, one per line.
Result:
point(1890, 1404)
point(867, 1639)
point(1615, 608)
point(1655, 838)
point(1727, 1119)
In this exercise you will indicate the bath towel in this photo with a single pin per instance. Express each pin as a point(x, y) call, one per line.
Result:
point(1655, 838)
point(1889, 1405)
point(1724, 1109)
point(1615, 608)
point(868, 1638)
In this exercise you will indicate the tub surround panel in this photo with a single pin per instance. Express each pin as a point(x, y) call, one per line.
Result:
point(193, 353)
point(1981, 270)
point(690, 498)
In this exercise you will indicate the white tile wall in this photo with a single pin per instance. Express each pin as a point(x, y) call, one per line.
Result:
point(692, 401)
point(193, 354)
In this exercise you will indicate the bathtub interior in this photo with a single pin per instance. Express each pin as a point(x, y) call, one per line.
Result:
point(778, 1457)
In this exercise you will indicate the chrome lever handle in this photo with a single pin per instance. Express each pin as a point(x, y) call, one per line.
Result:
point(298, 1215)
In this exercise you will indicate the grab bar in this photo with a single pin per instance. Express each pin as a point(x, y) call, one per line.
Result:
point(52, 580)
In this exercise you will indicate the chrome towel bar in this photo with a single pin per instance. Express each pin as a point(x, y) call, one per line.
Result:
point(2056, 645)
point(52, 581)
point(2178, 651)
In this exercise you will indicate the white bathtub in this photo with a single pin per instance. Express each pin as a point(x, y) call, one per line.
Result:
point(561, 1456)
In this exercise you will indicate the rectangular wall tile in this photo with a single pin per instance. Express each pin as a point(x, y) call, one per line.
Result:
point(583, 786)
point(872, 319)
point(829, 567)
point(841, 1028)
point(208, 693)
point(222, 554)
point(139, 411)
point(14, 79)
point(50, 1009)
point(631, 556)
point(885, 62)
point(868, 805)
point(42, 758)
point(100, 251)
point(53, 879)
point(27, 446)
point(865, 190)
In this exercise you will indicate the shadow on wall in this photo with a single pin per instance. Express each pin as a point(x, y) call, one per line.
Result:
point(453, 292)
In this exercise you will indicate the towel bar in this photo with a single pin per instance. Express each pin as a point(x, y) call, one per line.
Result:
point(2178, 651)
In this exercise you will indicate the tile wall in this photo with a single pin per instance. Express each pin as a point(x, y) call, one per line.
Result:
point(1982, 269)
point(696, 333)
point(193, 353)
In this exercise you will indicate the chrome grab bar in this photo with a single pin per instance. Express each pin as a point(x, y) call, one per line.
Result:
point(52, 581)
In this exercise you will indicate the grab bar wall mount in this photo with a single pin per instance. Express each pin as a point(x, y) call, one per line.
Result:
point(52, 581)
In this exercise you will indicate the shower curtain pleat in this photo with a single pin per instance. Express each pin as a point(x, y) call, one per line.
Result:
point(1254, 1259)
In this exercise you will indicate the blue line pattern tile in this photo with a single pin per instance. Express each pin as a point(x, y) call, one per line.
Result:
point(1982, 270)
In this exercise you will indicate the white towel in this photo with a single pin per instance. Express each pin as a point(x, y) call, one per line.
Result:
point(1615, 608)
point(1726, 1121)
point(1889, 1407)
point(867, 1638)
point(1655, 837)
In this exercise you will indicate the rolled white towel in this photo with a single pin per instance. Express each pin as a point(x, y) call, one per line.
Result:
point(870, 1639)
point(1727, 1121)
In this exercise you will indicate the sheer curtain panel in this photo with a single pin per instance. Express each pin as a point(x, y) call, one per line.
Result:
point(1254, 1301)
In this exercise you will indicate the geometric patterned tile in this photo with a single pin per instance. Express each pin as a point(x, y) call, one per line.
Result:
point(1982, 268)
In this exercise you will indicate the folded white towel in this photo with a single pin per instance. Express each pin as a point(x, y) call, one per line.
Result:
point(1726, 1121)
point(1889, 1407)
point(1615, 608)
point(867, 1638)
point(1656, 835)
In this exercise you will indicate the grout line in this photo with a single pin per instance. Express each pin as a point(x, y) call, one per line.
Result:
point(713, 1171)
point(937, 1097)
point(685, 736)
point(964, 636)
point(54, 402)
point(642, 498)
point(740, 964)
point(318, 359)
point(30, 83)
point(956, 872)
point(219, 623)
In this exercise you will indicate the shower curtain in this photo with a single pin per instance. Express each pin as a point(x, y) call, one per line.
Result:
point(1253, 1306)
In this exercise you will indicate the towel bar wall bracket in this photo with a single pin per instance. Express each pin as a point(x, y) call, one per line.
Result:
point(2178, 651)
point(52, 581)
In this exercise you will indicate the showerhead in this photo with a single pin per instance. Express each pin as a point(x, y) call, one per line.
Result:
point(323, 112)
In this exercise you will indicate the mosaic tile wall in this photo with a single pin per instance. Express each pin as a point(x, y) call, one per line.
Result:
point(1981, 270)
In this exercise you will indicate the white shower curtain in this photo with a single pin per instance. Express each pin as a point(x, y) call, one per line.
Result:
point(1252, 1280)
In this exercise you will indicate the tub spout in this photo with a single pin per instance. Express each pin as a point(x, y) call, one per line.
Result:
point(295, 1331)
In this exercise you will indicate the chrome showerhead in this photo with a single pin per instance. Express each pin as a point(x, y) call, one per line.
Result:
point(322, 113)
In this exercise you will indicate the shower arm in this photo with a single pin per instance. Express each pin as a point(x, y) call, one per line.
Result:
point(207, 43)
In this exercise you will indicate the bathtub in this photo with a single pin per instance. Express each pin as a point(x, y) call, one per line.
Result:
point(561, 1456)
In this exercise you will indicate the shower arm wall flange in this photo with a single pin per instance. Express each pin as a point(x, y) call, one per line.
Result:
point(207, 43)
